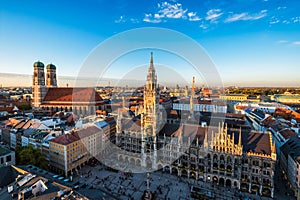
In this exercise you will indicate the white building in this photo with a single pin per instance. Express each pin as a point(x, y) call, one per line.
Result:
point(216, 107)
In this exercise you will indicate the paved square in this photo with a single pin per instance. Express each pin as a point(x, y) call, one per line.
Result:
point(162, 184)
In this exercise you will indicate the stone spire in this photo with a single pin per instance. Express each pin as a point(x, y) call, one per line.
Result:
point(192, 97)
point(240, 138)
point(273, 147)
point(123, 103)
point(233, 138)
point(205, 143)
point(151, 83)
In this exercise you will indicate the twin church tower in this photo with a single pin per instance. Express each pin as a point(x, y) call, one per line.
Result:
point(41, 83)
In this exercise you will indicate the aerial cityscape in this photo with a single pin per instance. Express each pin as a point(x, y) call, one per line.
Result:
point(150, 100)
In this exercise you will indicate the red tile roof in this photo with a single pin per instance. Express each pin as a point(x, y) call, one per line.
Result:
point(253, 141)
point(9, 109)
point(257, 142)
point(129, 124)
point(287, 133)
point(69, 95)
point(66, 138)
point(76, 135)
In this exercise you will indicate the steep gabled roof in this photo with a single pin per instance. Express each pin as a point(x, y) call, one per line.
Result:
point(69, 95)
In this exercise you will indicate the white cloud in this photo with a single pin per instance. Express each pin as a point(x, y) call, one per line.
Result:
point(296, 43)
point(150, 19)
point(193, 16)
point(203, 26)
point(295, 19)
point(281, 7)
point(282, 41)
point(246, 16)
point(213, 14)
point(236, 17)
point(275, 21)
point(166, 10)
point(286, 22)
point(121, 19)
point(134, 21)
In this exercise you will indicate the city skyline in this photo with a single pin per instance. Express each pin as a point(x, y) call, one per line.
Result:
point(250, 43)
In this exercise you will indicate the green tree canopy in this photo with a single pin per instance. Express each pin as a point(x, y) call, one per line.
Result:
point(25, 107)
point(29, 155)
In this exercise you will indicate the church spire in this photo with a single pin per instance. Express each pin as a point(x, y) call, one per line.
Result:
point(192, 97)
point(151, 69)
point(151, 83)
point(240, 138)
point(205, 143)
point(151, 100)
point(151, 59)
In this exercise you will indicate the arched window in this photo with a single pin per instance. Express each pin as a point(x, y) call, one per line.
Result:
point(229, 160)
point(222, 158)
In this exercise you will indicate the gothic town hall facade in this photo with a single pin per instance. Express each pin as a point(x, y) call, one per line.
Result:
point(153, 139)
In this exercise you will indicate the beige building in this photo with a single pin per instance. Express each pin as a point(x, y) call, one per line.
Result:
point(71, 151)
point(234, 97)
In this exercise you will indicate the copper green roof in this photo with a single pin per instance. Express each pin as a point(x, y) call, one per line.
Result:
point(51, 66)
point(38, 64)
point(287, 96)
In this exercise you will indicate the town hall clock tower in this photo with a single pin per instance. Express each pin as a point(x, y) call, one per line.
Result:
point(151, 102)
point(150, 118)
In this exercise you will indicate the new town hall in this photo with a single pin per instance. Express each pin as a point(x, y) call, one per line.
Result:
point(180, 143)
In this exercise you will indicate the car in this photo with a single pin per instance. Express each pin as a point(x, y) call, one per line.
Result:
point(76, 187)
point(55, 176)
point(66, 180)
point(89, 187)
point(82, 185)
point(76, 183)
point(61, 178)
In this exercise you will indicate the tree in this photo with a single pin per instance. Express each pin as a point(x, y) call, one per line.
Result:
point(25, 107)
point(29, 155)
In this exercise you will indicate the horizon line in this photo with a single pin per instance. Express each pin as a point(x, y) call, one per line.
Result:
point(64, 79)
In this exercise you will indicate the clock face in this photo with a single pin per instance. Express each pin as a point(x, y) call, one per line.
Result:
point(149, 130)
point(149, 101)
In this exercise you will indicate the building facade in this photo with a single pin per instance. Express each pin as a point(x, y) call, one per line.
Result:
point(290, 163)
point(71, 151)
point(67, 154)
point(219, 155)
point(48, 96)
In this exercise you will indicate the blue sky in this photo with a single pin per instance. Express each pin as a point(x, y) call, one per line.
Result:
point(252, 43)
